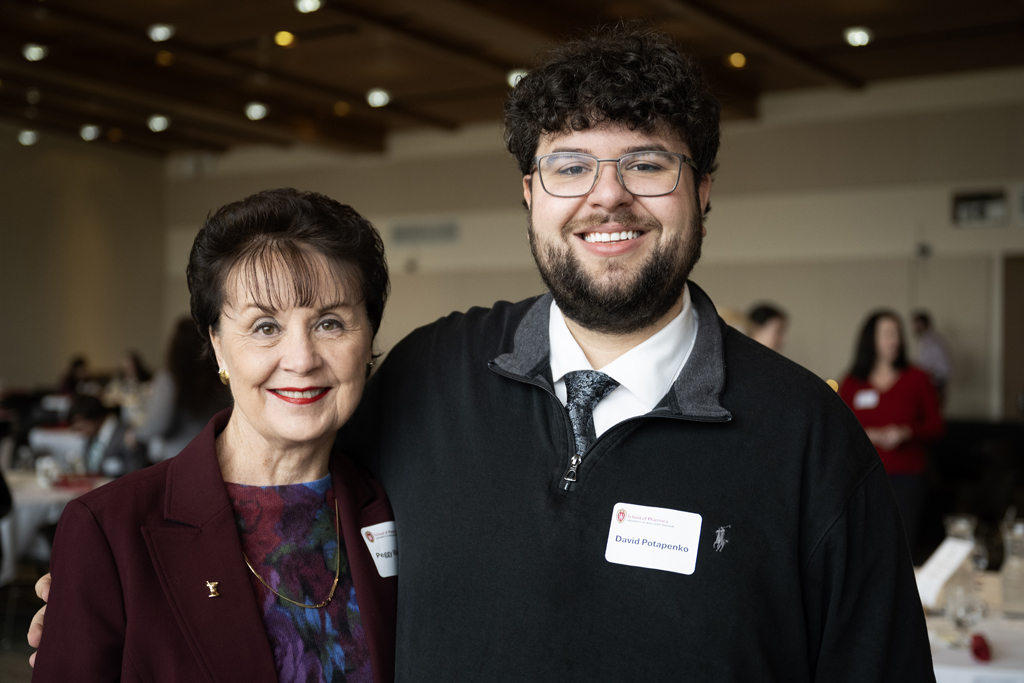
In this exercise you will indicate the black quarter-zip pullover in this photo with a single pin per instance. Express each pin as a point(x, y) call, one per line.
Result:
point(802, 572)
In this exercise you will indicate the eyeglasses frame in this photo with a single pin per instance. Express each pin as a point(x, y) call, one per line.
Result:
point(618, 171)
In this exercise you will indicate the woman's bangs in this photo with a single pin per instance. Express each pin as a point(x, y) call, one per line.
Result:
point(280, 274)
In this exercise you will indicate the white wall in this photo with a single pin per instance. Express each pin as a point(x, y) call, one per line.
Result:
point(827, 301)
point(81, 248)
point(820, 205)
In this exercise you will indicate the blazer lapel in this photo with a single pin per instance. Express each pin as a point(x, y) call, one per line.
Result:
point(225, 633)
point(362, 503)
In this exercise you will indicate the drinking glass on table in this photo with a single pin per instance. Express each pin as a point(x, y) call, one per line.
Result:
point(1013, 569)
point(965, 610)
point(964, 526)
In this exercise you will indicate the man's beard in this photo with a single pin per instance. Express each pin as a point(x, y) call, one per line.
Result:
point(631, 304)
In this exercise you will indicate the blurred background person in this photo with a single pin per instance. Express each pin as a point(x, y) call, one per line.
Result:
point(932, 352)
point(768, 325)
point(75, 379)
point(105, 452)
point(129, 389)
point(183, 398)
point(899, 410)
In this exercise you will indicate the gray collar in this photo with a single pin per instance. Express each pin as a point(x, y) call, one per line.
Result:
point(695, 393)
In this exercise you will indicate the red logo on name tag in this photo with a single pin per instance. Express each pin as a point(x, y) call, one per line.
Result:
point(621, 515)
point(369, 536)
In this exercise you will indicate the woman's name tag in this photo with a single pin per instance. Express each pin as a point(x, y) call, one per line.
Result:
point(865, 399)
point(382, 542)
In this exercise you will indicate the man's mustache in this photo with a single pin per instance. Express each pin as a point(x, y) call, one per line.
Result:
point(627, 219)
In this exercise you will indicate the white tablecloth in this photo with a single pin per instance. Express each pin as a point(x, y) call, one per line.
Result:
point(34, 507)
point(1005, 638)
point(65, 445)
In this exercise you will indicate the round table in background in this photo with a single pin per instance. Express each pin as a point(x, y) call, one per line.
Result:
point(34, 508)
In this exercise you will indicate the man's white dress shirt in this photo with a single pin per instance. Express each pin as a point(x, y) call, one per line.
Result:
point(645, 373)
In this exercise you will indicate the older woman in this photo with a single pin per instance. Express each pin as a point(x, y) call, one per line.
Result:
point(247, 557)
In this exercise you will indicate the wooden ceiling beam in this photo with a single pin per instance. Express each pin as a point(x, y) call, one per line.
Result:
point(68, 125)
point(550, 18)
point(780, 53)
point(559, 22)
point(46, 76)
point(77, 111)
point(739, 100)
point(178, 109)
point(464, 50)
point(205, 60)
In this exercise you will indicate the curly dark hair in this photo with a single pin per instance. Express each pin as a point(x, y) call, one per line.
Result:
point(627, 74)
point(290, 228)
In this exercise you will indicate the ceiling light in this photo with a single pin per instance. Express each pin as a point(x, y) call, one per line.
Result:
point(28, 137)
point(342, 108)
point(89, 132)
point(32, 95)
point(34, 52)
point(284, 38)
point(858, 35)
point(378, 97)
point(158, 123)
point(165, 58)
point(255, 111)
point(307, 6)
point(158, 33)
point(514, 76)
point(737, 60)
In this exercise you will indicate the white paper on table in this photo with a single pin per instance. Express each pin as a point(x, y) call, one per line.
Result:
point(943, 563)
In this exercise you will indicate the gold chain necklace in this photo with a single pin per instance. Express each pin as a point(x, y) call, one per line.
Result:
point(337, 571)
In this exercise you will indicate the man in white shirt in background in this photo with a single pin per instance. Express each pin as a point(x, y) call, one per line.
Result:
point(932, 353)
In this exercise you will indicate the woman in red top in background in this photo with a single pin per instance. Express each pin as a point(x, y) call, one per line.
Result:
point(899, 410)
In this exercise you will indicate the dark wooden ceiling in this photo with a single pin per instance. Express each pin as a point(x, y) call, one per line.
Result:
point(444, 62)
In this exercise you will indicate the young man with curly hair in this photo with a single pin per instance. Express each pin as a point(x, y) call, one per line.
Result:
point(701, 508)
point(606, 483)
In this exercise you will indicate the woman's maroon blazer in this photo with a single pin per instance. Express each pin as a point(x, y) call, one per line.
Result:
point(131, 560)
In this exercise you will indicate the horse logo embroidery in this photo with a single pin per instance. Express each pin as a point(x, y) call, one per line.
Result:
point(720, 539)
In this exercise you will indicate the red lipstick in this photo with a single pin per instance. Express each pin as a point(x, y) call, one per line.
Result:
point(305, 399)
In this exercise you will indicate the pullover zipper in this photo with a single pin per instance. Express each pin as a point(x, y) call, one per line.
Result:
point(570, 475)
point(569, 478)
point(576, 459)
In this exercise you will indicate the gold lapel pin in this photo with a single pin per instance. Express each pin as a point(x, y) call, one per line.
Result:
point(212, 585)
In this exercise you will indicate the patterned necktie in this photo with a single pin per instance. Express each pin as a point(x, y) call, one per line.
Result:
point(585, 388)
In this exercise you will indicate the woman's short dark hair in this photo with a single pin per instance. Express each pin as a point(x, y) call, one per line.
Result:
point(627, 74)
point(292, 229)
point(865, 354)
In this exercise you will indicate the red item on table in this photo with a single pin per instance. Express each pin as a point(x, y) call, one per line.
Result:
point(77, 482)
point(980, 649)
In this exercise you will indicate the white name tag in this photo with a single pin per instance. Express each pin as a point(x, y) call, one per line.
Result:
point(653, 538)
point(865, 399)
point(382, 542)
